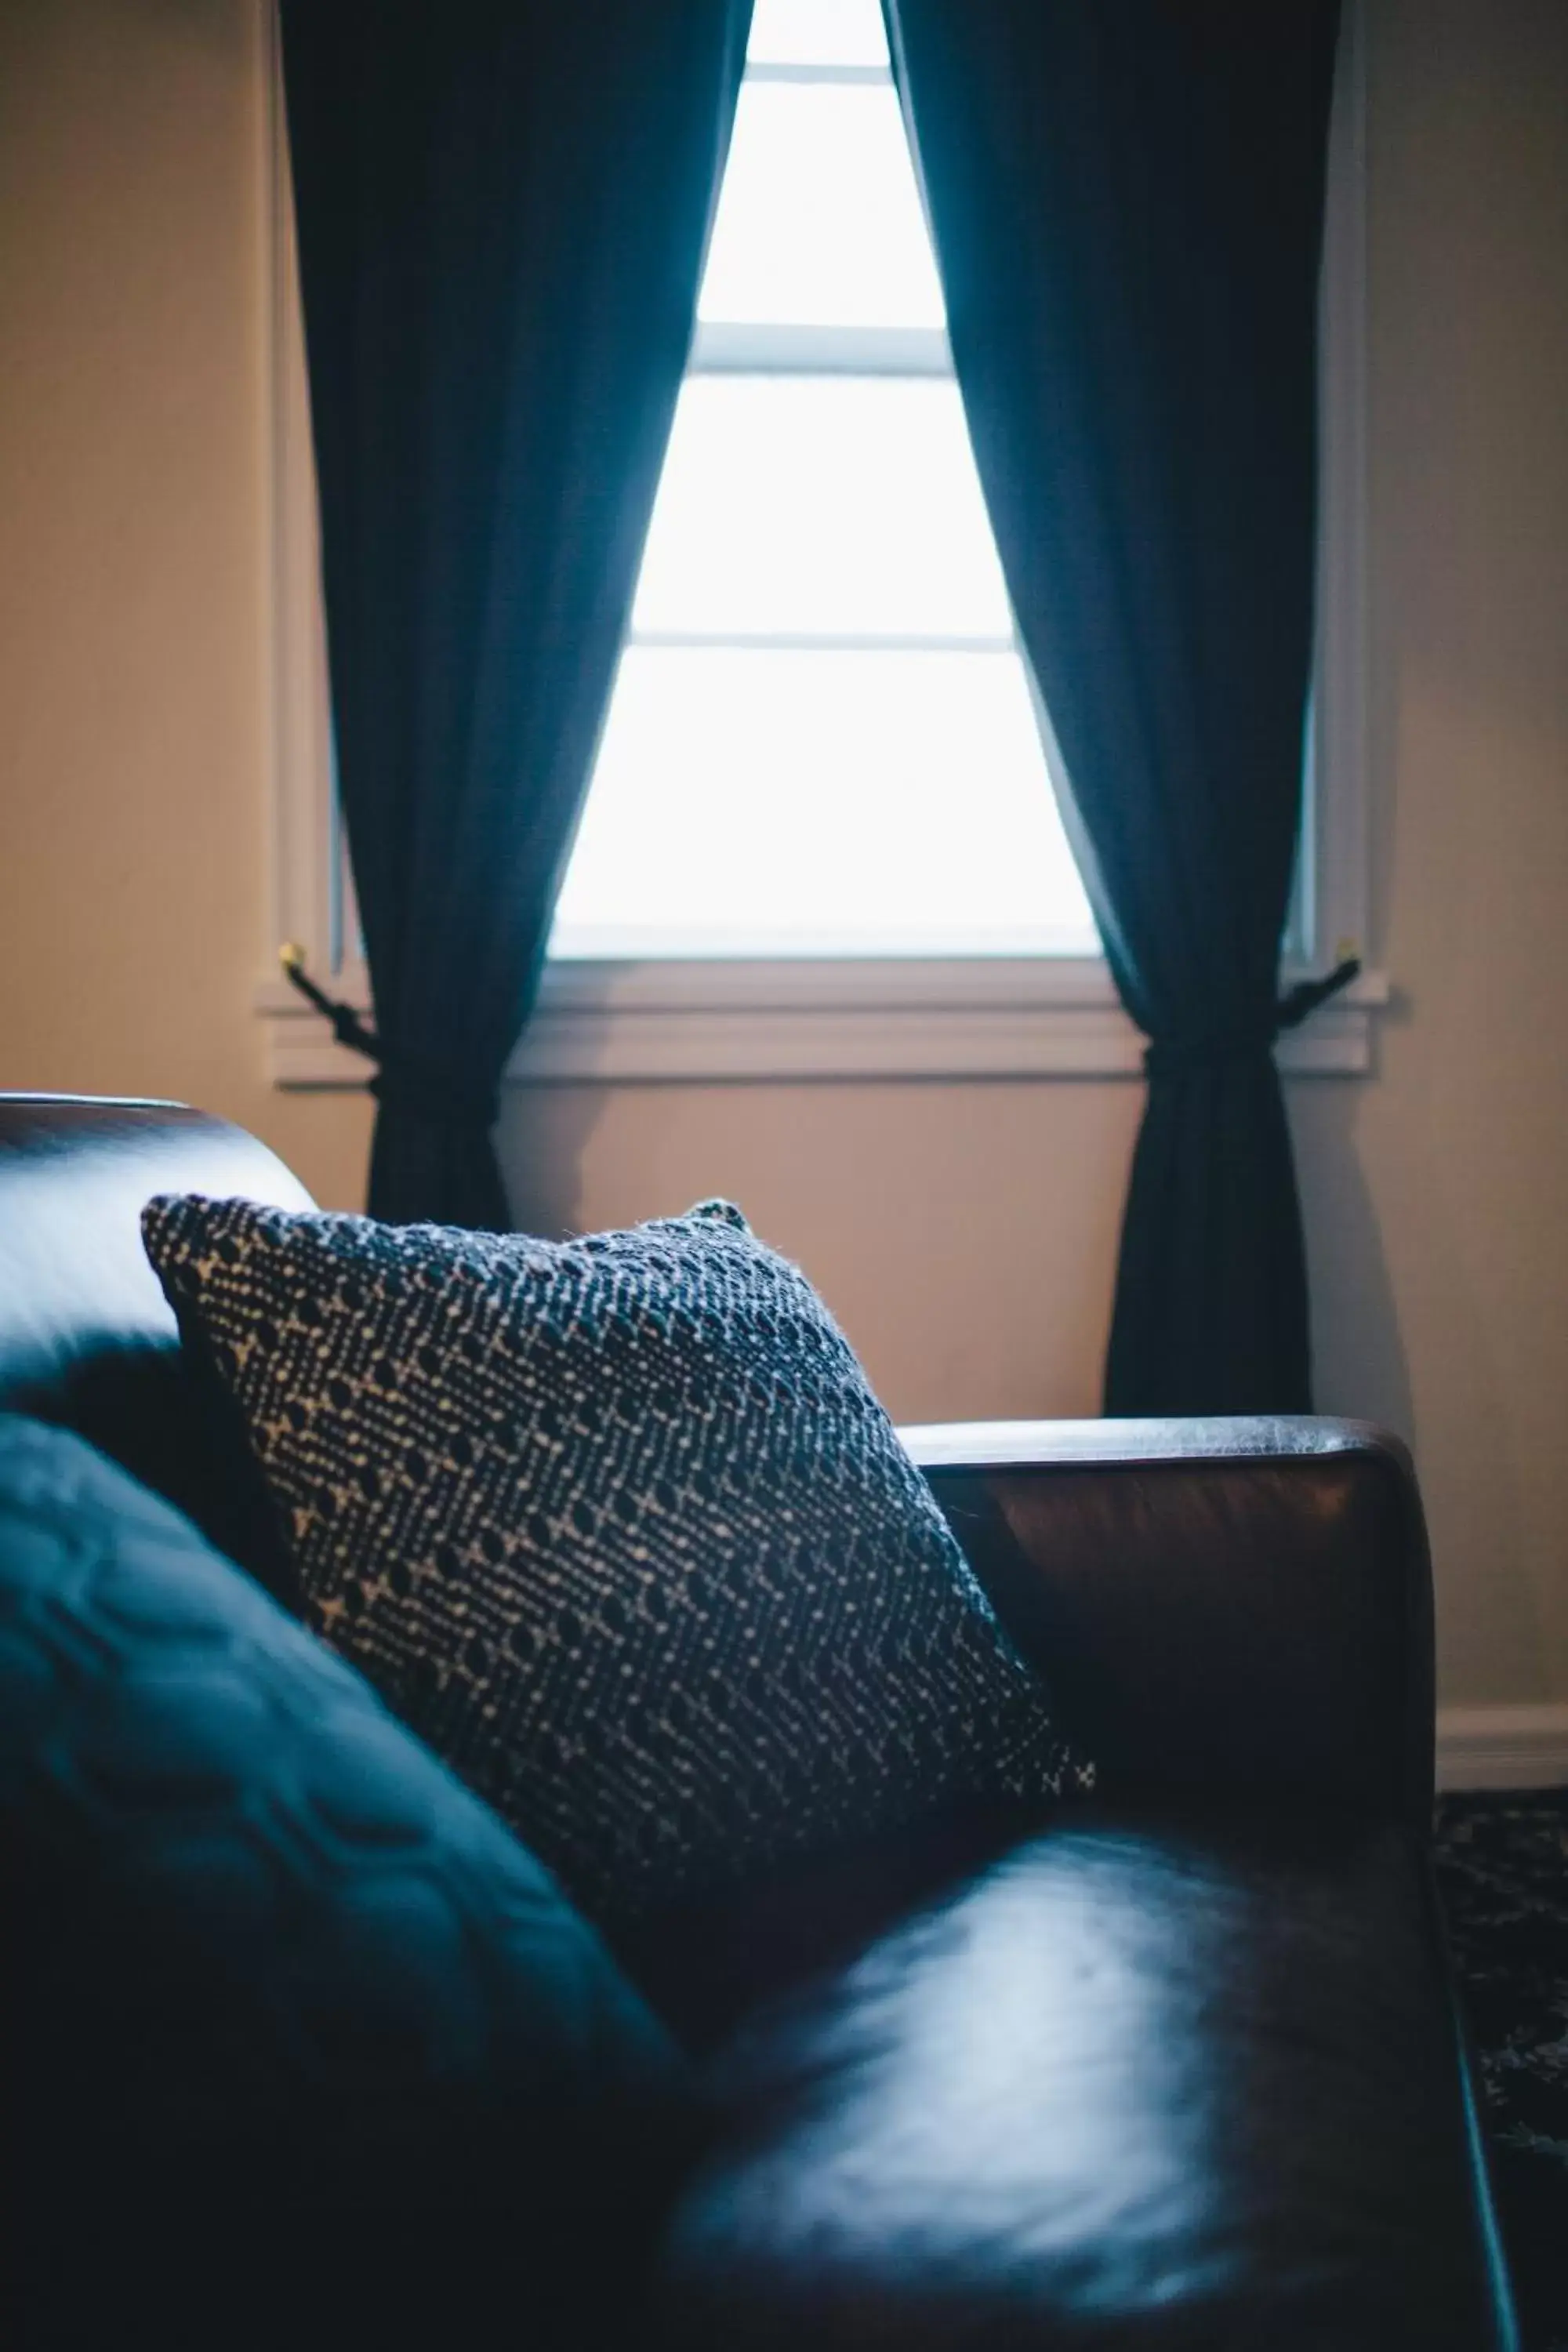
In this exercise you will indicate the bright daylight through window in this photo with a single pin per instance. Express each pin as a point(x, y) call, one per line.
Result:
point(823, 738)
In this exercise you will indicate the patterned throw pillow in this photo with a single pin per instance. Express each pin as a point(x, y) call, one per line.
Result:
point(618, 1525)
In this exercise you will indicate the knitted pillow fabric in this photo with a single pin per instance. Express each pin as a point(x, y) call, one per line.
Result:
point(265, 1955)
point(617, 1524)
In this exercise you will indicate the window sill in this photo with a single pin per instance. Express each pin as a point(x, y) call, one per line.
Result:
point(651, 1023)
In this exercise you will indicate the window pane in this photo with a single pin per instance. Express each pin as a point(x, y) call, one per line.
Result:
point(818, 220)
point(770, 803)
point(818, 33)
point(822, 505)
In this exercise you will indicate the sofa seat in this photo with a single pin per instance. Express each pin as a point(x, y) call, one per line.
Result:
point(1173, 2080)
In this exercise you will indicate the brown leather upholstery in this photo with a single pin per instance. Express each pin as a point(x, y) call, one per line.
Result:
point(1217, 1606)
point(1143, 2080)
point(87, 1338)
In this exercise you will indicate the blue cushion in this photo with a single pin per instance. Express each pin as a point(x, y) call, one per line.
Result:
point(267, 1952)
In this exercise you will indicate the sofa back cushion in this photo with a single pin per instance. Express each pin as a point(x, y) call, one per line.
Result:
point(87, 1338)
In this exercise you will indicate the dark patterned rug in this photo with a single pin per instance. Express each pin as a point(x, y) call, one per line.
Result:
point(1502, 1868)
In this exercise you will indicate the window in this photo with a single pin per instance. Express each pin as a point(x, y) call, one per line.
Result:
point(822, 740)
point(821, 615)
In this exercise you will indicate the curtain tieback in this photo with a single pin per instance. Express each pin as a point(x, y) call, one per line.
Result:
point(1163, 1056)
point(401, 1082)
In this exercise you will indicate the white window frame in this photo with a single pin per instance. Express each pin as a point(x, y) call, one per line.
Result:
point(862, 1017)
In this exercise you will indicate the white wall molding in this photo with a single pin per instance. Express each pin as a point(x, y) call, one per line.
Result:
point(304, 866)
point(983, 1018)
point(1334, 912)
point(1502, 1746)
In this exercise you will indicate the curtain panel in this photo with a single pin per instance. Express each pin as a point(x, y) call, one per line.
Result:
point(503, 207)
point(1126, 200)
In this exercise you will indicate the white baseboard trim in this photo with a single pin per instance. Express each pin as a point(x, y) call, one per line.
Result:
point(1502, 1746)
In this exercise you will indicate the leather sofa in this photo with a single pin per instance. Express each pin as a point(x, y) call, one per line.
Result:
point(1181, 2067)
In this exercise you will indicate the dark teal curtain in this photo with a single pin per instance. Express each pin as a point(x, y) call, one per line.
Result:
point(503, 207)
point(1126, 197)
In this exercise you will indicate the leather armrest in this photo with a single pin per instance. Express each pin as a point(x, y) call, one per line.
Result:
point(1231, 1608)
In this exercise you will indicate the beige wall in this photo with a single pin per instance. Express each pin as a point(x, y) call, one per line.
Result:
point(1437, 1198)
point(132, 572)
point(965, 1233)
